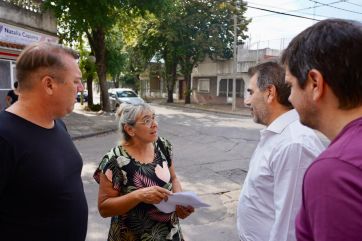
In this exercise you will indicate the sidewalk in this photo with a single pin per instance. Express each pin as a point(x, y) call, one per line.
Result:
point(83, 124)
point(216, 108)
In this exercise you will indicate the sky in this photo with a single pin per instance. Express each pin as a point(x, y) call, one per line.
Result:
point(274, 30)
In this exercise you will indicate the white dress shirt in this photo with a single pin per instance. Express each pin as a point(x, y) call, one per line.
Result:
point(271, 195)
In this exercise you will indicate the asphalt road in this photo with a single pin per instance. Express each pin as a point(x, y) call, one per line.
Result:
point(211, 156)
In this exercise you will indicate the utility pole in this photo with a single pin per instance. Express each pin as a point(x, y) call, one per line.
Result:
point(233, 108)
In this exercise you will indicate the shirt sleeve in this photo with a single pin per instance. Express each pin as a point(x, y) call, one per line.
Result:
point(167, 146)
point(7, 164)
point(289, 165)
point(332, 201)
point(111, 165)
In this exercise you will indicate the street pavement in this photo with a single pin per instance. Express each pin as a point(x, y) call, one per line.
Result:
point(83, 124)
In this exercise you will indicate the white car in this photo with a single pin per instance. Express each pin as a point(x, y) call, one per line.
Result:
point(118, 96)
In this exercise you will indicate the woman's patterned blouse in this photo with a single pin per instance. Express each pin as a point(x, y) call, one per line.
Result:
point(144, 222)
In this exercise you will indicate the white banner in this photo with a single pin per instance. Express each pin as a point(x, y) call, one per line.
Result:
point(12, 34)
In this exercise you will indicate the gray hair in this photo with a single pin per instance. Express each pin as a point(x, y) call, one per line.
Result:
point(127, 114)
point(272, 73)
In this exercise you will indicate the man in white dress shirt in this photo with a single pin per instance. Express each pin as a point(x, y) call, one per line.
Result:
point(271, 194)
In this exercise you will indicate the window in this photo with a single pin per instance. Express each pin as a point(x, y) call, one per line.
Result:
point(203, 85)
point(7, 79)
point(5, 75)
point(126, 93)
point(226, 87)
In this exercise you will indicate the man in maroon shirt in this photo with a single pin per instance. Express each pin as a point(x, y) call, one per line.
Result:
point(324, 68)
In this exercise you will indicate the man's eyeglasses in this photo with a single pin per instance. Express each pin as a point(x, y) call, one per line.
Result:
point(148, 121)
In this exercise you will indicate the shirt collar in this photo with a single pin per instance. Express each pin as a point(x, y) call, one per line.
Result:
point(351, 124)
point(279, 124)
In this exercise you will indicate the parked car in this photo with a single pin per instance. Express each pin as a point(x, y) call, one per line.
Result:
point(118, 96)
point(85, 96)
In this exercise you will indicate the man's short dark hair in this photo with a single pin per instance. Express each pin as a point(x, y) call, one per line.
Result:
point(40, 55)
point(333, 47)
point(271, 73)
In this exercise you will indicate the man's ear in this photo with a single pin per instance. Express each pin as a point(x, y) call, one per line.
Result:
point(315, 83)
point(48, 84)
point(271, 92)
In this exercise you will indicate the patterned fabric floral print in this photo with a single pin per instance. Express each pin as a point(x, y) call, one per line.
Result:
point(144, 222)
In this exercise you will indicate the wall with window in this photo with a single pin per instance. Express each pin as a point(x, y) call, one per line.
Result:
point(226, 87)
point(217, 90)
point(204, 90)
point(21, 23)
point(7, 79)
point(203, 85)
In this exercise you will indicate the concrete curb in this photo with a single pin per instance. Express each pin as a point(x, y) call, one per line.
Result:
point(79, 137)
point(203, 109)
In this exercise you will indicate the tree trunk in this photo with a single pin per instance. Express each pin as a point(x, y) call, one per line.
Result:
point(188, 88)
point(89, 75)
point(186, 67)
point(90, 90)
point(117, 80)
point(173, 80)
point(171, 72)
point(169, 95)
point(98, 36)
point(141, 91)
point(170, 85)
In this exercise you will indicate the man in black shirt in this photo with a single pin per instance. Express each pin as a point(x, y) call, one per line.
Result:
point(11, 96)
point(41, 191)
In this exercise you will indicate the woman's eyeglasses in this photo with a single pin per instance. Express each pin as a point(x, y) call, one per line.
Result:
point(148, 121)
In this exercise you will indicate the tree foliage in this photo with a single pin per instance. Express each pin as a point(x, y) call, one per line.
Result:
point(188, 31)
point(116, 57)
point(125, 35)
point(96, 18)
point(140, 38)
point(206, 29)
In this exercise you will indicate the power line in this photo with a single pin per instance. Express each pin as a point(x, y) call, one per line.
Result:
point(320, 5)
point(273, 14)
point(287, 14)
point(289, 11)
point(327, 5)
point(296, 10)
point(354, 3)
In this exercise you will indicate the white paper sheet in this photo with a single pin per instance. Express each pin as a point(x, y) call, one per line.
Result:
point(183, 199)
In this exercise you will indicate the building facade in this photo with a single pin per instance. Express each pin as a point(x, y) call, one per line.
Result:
point(212, 80)
point(20, 25)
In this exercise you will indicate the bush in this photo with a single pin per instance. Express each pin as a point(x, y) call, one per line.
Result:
point(96, 107)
